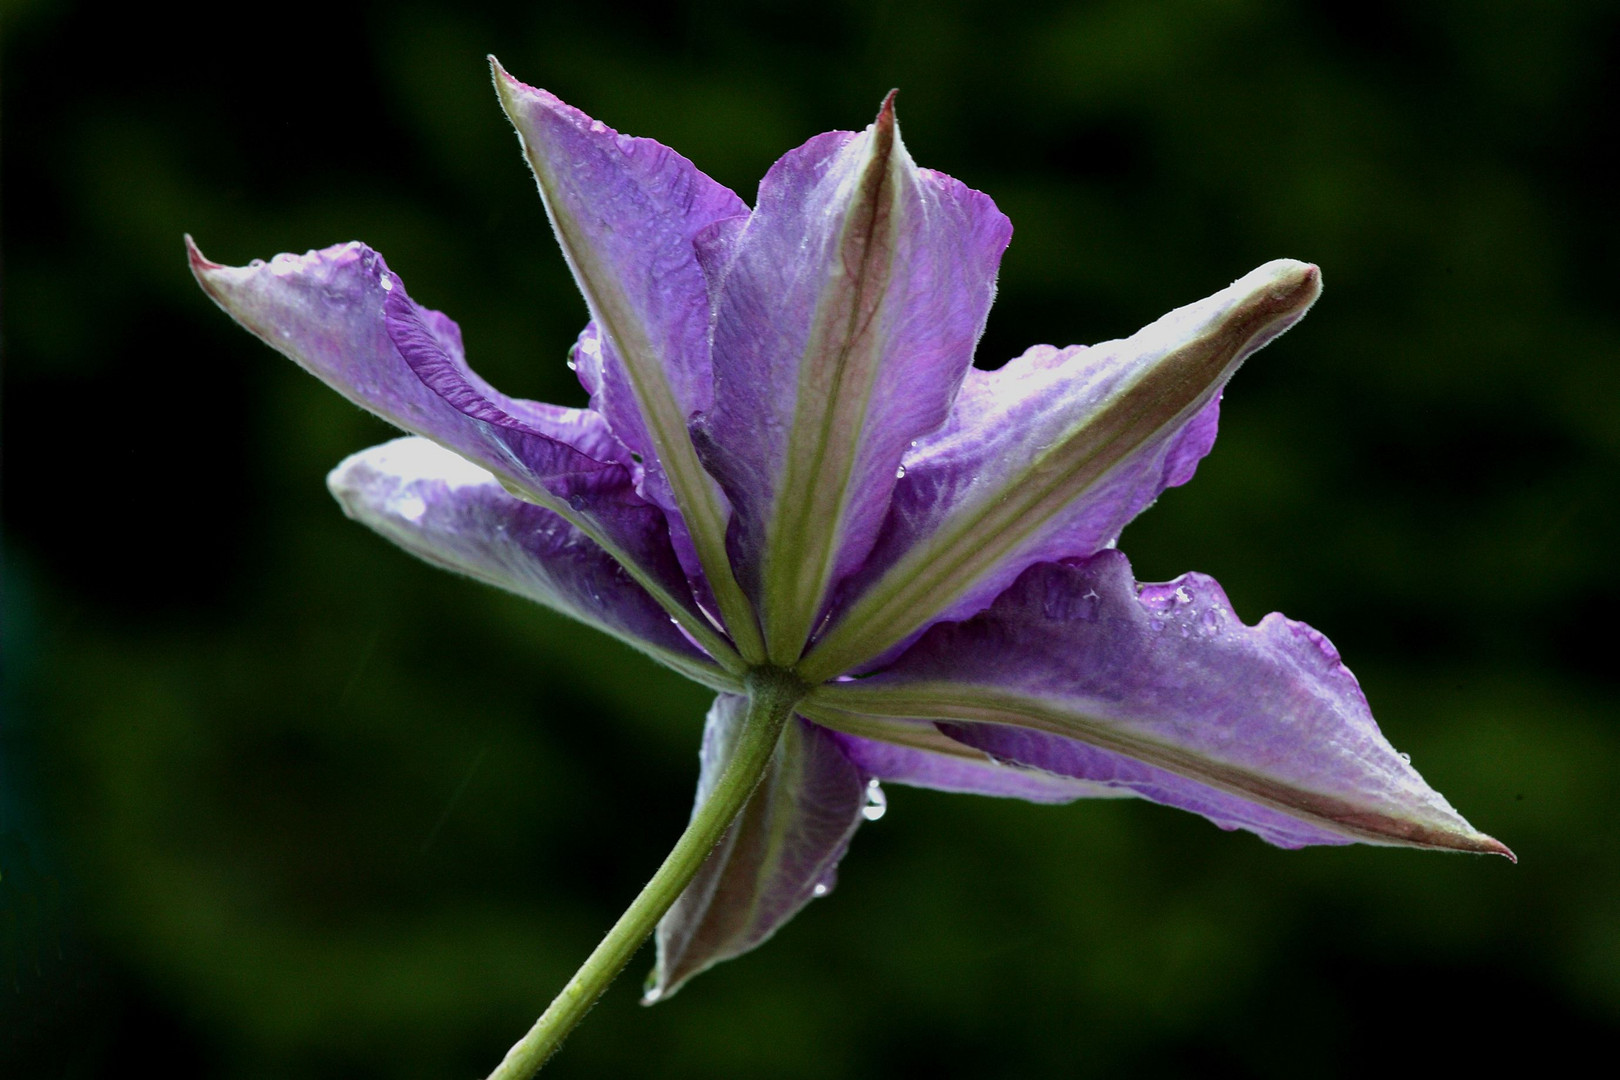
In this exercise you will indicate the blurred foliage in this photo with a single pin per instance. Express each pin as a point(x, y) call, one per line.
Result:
point(280, 802)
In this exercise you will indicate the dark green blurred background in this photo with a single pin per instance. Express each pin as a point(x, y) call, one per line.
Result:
point(279, 801)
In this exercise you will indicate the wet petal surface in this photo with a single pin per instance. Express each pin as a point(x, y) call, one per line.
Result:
point(626, 212)
point(780, 853)
point(1049, 458)
point(847, 311)
point(1164, 691)
point(343, 316)
point(917, 754)
point(452, 513)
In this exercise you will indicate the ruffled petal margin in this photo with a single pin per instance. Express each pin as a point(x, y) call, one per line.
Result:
point(1161, 690)
point(1049, 458)
point(847, 310)
point(343, 316)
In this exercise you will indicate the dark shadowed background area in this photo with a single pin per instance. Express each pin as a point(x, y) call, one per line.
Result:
point(278, 801)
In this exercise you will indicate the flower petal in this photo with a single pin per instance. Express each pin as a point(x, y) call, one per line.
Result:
point(1164, 691)
point(325, 311)
point(442, 508)
point(1049, 458)
point(780, 853)
point(626, 212)
point(338, 312)
point(592, 357)
point(848, 309)
point(916, 754)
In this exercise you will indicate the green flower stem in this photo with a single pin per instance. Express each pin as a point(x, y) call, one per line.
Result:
point(772, 694)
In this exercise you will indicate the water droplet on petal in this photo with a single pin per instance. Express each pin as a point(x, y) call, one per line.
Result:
point(1406, 758)
point(572, 366)
point(820, 889)
point(877, 803)
point(387, 284)
point(651, 996)
point(410, 507)
point(900, 473)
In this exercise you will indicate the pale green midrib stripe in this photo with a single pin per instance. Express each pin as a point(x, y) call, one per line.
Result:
point(782, 807)
point(872, 727)
point(979, 704)
point(715, 644)
point(775, 832)
point(951, 547)
point(795, 522)
point(789, 633)
point(695, 491)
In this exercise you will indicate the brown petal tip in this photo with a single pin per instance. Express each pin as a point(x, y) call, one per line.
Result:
point(1490, 845)
point(886, 110)
point(199, 261)
point(1283, 285)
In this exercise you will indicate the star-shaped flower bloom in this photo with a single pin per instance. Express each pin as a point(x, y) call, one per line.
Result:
point(792, 484)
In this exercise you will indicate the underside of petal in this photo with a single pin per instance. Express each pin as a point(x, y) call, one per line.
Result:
point(442, 508)
point(848, 309)
point(343, 316)
point(1049, 458)
point(780, 853)
point(626, 212)
point(917, 754)
point(1162, 690)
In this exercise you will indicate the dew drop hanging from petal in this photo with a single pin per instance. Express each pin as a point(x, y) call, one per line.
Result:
point(877, 803)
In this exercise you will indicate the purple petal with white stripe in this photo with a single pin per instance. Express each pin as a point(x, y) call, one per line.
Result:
point(848, 308)
point(923, 757)
point(627, 212)
point(442, 508)
point(1164, 691)
point(1049, 458)
point(780, 853)
point(342, 315)
point(325, 310)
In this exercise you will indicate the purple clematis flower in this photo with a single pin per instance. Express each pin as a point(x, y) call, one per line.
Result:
point(789, 465)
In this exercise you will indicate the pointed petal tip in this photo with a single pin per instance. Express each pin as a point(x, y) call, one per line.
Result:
point(885, 129)
point(505, 84)
point(1382, 829)
point(200, 263)
point(884, 132)
point(503, 79)
point(1472, 843)
point(511, 90)
point(1490, 845)
point(1288, 284)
